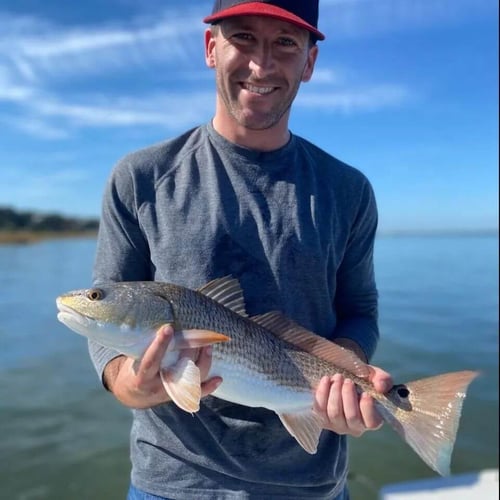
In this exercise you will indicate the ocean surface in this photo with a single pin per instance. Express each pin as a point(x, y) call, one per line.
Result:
point(63, 437)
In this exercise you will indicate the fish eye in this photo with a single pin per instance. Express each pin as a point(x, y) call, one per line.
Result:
point(403, 392)
point(95, 294)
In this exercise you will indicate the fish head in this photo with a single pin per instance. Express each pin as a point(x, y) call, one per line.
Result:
point(123, 316)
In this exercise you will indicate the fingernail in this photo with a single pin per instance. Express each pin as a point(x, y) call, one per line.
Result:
point(209, 350)
point(163, 331)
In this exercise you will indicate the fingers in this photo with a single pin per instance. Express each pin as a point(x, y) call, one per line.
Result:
point(210, 385)
point(145, 386)
point(149, 366)
point(355, 425)
point(135, 388)
point(321, 396)
point(342, 409)
point(381, 380)
point(204, 361)
point(138, 384)
point(371, 417)
point(202, 357)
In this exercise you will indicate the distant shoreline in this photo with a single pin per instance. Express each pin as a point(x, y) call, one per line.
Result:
point(25, 237)
point(436, 233)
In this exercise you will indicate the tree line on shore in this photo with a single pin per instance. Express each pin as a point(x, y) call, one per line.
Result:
point(16, 220)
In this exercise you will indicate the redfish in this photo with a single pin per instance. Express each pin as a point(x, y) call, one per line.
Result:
point(265, 361)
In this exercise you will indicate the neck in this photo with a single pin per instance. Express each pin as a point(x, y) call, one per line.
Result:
point(268, 139)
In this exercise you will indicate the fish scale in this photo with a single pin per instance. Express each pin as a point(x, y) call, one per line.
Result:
point(265, 361)
point(251, 346)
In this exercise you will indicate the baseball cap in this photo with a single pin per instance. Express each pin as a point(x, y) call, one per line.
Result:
point(302, 13)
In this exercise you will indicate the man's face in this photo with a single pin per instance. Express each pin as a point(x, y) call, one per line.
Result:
point(259, 63)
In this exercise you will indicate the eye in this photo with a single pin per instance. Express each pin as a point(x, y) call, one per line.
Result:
point(403, 392)
point(95, 294)
point(242, 37)
point(287, 42)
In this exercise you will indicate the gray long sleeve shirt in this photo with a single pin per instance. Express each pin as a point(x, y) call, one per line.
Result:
point(296, 227)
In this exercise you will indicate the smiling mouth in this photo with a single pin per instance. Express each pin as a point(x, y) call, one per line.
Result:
point(258, 89)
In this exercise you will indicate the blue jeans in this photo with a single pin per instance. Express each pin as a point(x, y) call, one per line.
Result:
point(135, 494)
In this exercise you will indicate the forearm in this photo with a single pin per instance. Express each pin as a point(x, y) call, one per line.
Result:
point(111, 371)
point(359, 333)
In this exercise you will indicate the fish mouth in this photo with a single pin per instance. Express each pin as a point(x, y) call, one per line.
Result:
point(65, 309)
point(121, 337)
point(71, 318)
point(61, 306)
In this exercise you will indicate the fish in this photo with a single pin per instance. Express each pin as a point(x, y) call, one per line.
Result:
point(267, 361)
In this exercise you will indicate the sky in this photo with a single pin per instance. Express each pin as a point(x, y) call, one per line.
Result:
point(404, 90)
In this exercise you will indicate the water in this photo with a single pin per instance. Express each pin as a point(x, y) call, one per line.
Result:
point(438, 313)
point(63, 437)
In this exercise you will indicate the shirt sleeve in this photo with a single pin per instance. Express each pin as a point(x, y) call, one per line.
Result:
point(356, 301)
point(122, 251)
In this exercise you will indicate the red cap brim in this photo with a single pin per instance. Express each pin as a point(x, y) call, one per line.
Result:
point(263, 9)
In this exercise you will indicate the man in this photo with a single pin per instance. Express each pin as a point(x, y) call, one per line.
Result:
point(241, 195)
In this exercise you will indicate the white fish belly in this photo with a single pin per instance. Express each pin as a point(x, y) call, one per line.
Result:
point(243, 386)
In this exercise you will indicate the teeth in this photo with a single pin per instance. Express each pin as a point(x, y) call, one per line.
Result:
point(259, 90)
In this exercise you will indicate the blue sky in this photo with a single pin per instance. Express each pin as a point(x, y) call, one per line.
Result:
point(404, 90)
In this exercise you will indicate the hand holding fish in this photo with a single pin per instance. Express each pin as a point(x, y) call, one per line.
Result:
point(345, 411)
point(139, 385)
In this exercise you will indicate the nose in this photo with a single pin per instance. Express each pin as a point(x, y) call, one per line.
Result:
point(262, 60)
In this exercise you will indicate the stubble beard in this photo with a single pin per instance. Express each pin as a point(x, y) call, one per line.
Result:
point(254, 120)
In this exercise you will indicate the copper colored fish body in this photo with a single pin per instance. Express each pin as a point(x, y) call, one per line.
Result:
point(265, 361)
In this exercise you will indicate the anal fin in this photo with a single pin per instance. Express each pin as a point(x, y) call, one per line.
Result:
point(183, 384)
point(305, 427)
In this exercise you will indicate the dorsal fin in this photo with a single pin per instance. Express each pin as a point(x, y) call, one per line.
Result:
point(291, 332)
point(227, 292)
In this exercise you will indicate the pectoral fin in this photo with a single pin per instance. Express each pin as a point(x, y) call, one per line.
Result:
point(305, 427)
point(183, 385)
point(188, 339)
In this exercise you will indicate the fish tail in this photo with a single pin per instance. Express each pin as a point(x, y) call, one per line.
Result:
point(426, 414)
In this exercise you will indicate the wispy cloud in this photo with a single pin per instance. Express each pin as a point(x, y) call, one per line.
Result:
point(354, 100)
point(39, 60)
point(361, 18)
point(167, 110)
point(29, 184)
point(37, 57)
point(35, 127)
point(326, 76)
point(37, 48)
point(11, 90)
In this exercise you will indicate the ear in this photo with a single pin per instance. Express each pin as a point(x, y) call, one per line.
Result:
point(311, 60)
point(209, 48)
